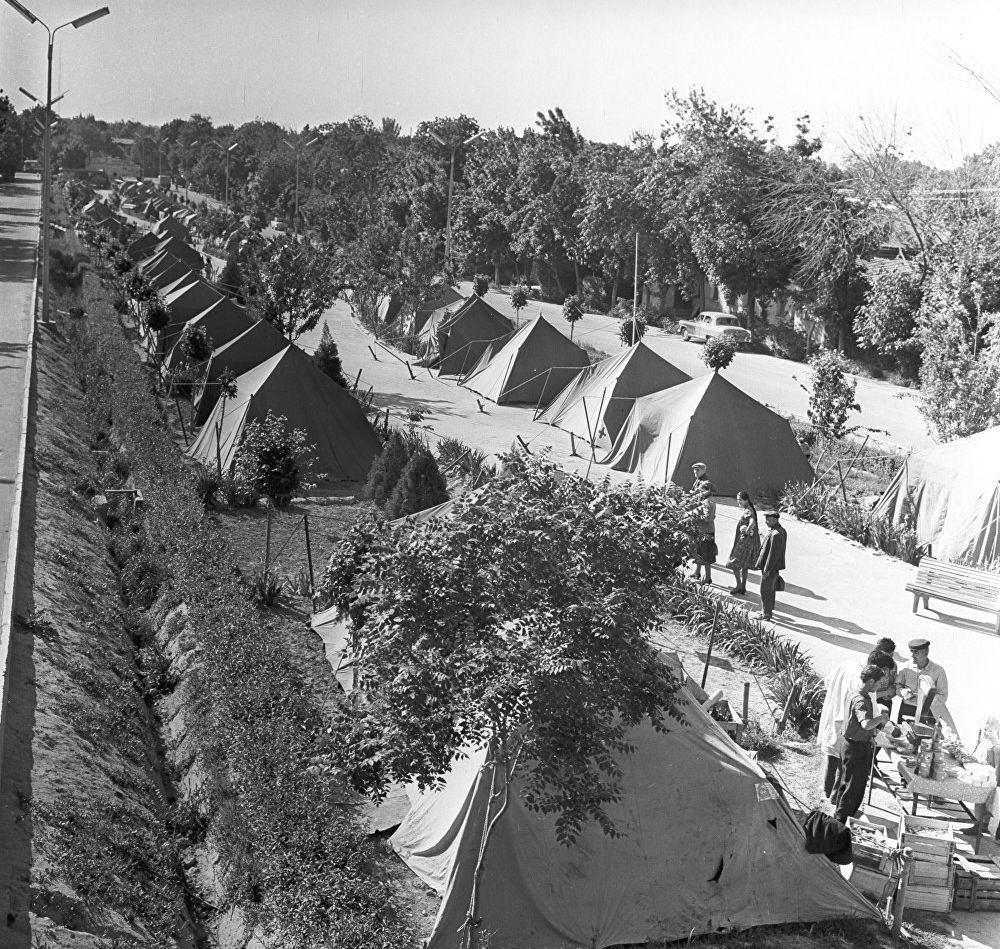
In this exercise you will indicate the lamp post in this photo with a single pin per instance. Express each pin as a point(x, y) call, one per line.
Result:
point(298, 149)
point(228, 150)
point(451, 186)
point(47, 140)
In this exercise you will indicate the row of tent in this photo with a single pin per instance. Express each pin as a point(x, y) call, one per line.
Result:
point(271, 374)
point(704, 844)
point(637, 411)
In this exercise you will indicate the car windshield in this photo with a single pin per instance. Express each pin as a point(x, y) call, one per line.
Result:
point(726, 321)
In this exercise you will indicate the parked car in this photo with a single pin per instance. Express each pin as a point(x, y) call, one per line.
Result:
point(707, 325)
point(278, 225)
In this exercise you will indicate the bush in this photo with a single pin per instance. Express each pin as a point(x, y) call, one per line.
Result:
point(831, 396)
point(420, 486)
point(782, 340)
point(632, 329)
point(273, 459)
point(266, 586)
point(327, 357)
point(572, 312)
point(386, 470)
point(718, 353)
point(480, 284)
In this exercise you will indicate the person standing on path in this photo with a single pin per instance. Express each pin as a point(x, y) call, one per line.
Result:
point(706, 549)
point(859, 743)
point(746, 544)
point(771, 561)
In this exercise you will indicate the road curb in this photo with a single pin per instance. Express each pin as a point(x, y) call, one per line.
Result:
point(10, 580)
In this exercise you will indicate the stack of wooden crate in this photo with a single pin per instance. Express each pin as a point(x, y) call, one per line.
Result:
point(977, 883)
point(932, 871)
point(872, 847)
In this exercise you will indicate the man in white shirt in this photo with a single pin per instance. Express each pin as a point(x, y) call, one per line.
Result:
point(919, 678)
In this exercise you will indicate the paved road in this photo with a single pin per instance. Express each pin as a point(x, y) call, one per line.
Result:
point(20, 204)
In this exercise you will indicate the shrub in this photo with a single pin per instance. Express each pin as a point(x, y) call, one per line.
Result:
point(237, 493)
point(718, 353)
point(196, 344)
point(632, 329)
point(782, 340)
point(273, 459)
point(831, 397)
point(480, 284)
point(157, 316)
point(754, 738)
point(266, 586)
point(327, 357)
point(206, 483)
point(519, 297)
point(420, 486)
point(386, 470)
point(572, 312)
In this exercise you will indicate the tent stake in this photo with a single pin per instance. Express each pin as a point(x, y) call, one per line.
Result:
point(524, 445)
point(372, 351)
point(180, 415)
point(410, 370)
point(267, 542)
point(572, 444)
point(711, 641)
point(309, 559)
point(480, 403)
point(357, 380)
point(746, 703)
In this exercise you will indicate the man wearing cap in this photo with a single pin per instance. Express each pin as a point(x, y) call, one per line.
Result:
point(923, 672)
point(705, 549)
point(771, 561)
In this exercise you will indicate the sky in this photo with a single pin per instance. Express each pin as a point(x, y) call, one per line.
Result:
point(899, 66)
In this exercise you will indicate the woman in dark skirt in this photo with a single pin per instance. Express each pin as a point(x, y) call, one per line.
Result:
point(746, 544)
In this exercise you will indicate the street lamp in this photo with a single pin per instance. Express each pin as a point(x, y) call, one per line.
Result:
point(227, 150)
point(47, 140)
point(451, 184)
point(298, 149)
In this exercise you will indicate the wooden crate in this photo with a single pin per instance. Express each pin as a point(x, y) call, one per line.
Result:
point(977, 884)
point(933, 899)
point(873, 883)
point(928, 838)
point(932, 873)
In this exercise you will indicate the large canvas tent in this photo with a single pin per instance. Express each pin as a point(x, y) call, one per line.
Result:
point(532, 366)
point(171, 227)
point(441, 298)
point(705, 845)
point(141, 247)
point(596, 403)
point(181, 251)
point(185, 303)
point(223, 321)
point(745, 444)
point(289, 384)
point(170, 272)
point(457, 344)
point(951, 494)
point(252, 347)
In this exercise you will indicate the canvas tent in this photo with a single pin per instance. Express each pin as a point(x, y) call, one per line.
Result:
point(745, 445)
point(598, 400)
point(171, 227)
point(252, 347)
point(951, 494)
point(185, 302)
point(457, 344)
point(171, 272)
point(289, 384)
point(223, 321)
point(706, 845)
point(532, 366)
point(181, 251)
point(440, 299)
point(141, 247)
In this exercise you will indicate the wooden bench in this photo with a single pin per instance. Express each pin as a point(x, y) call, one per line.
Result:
point(966, 586)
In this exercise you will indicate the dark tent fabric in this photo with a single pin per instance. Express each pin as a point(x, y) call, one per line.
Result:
point(596, 403)
point(951, 495)
point(745, 445)
point(706, 845)
point(181, 251)
point(252, 347)
point(172, 272)
point(532, 366)
point(141, 247)
point(459, 342)
point(440, 298)
point(185, 304)
point(171, 227)
point(389, 307)
point(289, 384)
point(223, 321)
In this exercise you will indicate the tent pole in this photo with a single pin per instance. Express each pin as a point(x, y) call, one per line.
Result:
point(309, 558)
point(267, 541)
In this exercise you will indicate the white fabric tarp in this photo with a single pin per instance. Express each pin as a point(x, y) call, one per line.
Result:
point(951, 495)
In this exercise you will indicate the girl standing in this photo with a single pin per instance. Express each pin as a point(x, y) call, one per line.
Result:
point(746, 544)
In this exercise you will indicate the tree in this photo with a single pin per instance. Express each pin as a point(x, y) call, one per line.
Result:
point(231, 279)
point(273, 459)
point(519, 297)
point(480, 284)
point(632, 324)
point(290, 285)
point(327, 357)
point(386, 470)
point(572, 312)
point(520, 625)
point(718, 353)
point(421, 485)
point(887, 320)
point(157, 315)
point(196, 345)
point(831, 397)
